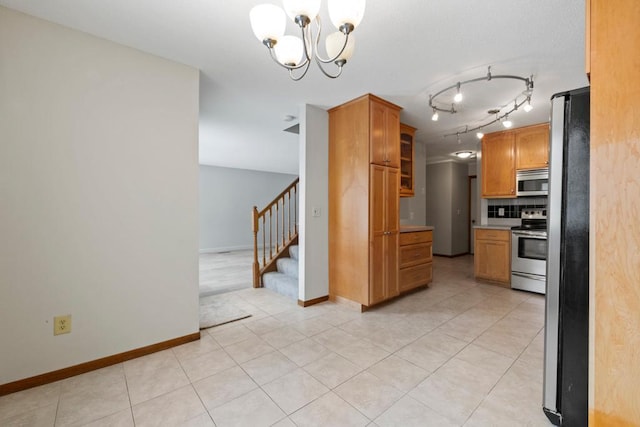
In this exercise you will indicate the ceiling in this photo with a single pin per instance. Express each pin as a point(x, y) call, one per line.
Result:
point(404, 51)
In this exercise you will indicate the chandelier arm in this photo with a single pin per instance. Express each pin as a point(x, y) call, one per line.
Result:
point(331, 76)
point(319, 59)
point(305, 30)
point(295, 79)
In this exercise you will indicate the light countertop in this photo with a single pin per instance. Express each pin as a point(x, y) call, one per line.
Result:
point(494, 227)
point(412, 228)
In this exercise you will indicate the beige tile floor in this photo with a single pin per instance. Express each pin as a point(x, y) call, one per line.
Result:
point(457, 353)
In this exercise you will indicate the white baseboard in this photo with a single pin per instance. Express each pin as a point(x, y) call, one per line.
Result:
point(226, 249)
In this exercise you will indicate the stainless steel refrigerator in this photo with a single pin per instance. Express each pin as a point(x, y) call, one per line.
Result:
point(566, 361)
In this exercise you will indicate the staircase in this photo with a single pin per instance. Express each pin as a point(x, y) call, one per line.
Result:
point(275, 234)
point(285, 280)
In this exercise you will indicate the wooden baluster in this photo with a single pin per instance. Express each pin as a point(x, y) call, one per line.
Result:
point(283, 235)
point(289, 215)
point(295, 223)
point(264, 245)
point(277, 219)
point(270, 233)
point(256, 265)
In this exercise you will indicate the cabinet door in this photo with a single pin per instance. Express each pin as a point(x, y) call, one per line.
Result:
point(498, 165)
point(493, 260)
point(392, 220)
point(532, 147)
point(384, 220)
point(392, 140)
point(378, 234)
point(384, 135)
point(407, 135)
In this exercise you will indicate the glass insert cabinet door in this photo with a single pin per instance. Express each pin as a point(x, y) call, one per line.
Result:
point(407, 136)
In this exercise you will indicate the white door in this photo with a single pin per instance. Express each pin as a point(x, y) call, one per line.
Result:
point(473, 205)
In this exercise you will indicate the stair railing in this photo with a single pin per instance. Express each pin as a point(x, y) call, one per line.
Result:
point(275, 228)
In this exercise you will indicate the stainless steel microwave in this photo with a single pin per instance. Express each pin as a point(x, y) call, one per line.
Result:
point(532, 182)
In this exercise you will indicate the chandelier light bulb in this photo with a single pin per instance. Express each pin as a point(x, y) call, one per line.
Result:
point(479, 135)
point(289, 50)
point(268, 22)
point(308, 8)
point(334, 43)
point(435, 116)
point(343, 12)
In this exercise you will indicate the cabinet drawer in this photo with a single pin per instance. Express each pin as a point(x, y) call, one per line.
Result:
point(412, 277)
point(415, 254)
point(415, 237)
point(490, 234)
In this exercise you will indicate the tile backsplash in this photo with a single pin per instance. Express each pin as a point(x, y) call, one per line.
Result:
point(513, 207)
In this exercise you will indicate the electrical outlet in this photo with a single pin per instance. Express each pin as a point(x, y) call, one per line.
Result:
point(62, 324)
point(500, 211)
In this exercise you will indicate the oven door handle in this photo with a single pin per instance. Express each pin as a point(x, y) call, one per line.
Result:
point(529, 234)
point(530, 276)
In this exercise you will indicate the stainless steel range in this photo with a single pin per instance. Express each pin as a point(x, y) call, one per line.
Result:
point(529, 252)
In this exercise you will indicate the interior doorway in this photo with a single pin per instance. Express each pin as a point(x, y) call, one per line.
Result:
point(473, 209)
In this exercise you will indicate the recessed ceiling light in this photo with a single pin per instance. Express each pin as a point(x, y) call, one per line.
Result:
point(463, 154)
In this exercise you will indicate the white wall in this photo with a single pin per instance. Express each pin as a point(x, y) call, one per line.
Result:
point(99, 197)
point(227, 198)
point(447, 206)
point(314, 193)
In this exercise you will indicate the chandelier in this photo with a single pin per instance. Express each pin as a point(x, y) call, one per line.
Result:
point(296, 53)
point(522, 99)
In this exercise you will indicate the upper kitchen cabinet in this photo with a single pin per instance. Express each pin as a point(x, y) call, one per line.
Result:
point(498, 165)
point(384, 132)
point(407, 135)
point(532, 147)
point(505, 152)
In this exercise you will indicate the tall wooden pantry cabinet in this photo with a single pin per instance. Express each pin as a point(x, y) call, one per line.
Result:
point(364, 191)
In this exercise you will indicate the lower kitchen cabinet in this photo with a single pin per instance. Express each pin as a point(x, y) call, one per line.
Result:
point(492, 258)
point(416, 256)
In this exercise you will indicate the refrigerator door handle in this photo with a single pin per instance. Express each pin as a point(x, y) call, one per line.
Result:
point(551, 330)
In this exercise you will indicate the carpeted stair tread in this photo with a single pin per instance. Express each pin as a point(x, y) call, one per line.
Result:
point(293, 251)
point(281, 283)
point(288, 266)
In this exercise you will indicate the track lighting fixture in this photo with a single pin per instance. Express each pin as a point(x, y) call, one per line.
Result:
point(479, 135)
point(519, 100)
point(528, 107)
point(458, 96)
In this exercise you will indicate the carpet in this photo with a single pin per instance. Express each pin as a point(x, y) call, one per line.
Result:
point(216, 311)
